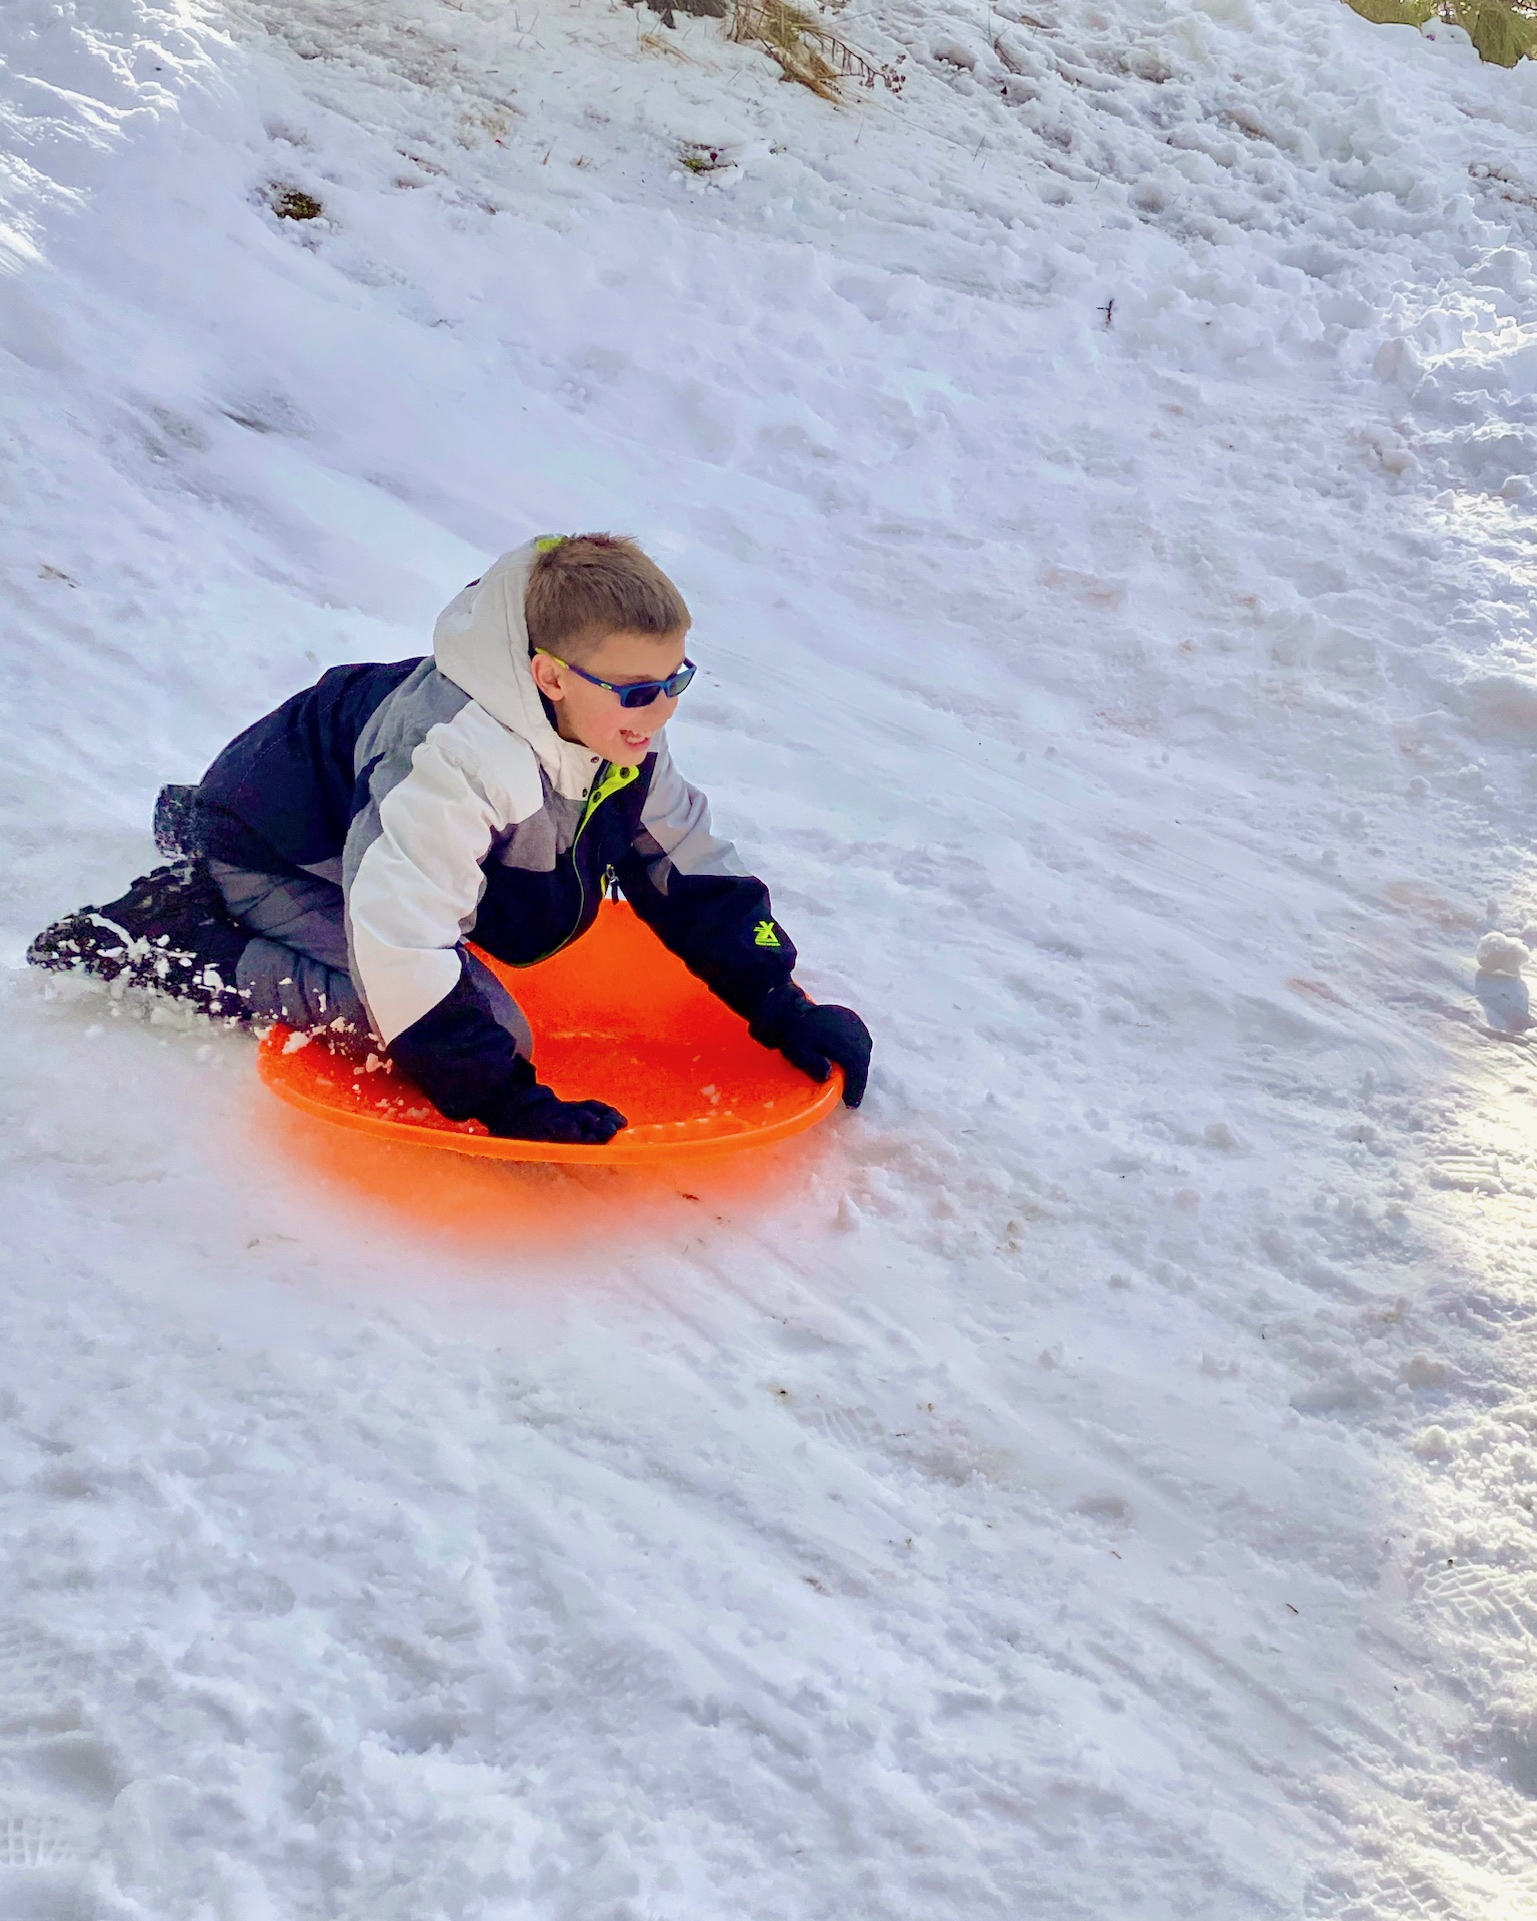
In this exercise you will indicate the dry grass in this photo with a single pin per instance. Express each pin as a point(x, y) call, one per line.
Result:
point(292, 203)
point(1503, 31)
point(658, 43)
point(808, 52)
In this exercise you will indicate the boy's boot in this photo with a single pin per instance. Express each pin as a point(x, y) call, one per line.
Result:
point(170, 931)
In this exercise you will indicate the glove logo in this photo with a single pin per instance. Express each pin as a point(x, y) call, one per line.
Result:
point(766, 934)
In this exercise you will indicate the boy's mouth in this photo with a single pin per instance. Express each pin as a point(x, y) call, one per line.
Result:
point(637, 741)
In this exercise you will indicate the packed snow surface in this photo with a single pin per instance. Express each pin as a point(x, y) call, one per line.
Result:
point(1097, 1481)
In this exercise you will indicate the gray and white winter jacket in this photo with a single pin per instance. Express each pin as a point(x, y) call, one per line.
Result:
point(440, 798)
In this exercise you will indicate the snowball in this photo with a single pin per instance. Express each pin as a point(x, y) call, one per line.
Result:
point(1445, 33)
point(1502, 954)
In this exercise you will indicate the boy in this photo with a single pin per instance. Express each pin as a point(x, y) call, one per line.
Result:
point(344, 848)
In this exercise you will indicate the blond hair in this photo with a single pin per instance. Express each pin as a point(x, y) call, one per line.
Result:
point(583, 587)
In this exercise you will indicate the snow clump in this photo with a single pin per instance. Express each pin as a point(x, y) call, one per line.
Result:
point(1502, 954)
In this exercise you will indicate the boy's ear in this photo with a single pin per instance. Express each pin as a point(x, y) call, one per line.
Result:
point(546, 675)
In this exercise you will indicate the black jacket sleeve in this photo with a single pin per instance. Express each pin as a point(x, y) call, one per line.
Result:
point(721, 926)
point(462, 1059)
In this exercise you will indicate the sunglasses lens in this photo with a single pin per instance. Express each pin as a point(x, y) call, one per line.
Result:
point(644, 692)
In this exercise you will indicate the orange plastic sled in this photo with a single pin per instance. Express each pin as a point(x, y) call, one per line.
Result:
point(617, 1018)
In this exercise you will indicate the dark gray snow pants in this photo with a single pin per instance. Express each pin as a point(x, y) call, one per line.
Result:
point(295, 969)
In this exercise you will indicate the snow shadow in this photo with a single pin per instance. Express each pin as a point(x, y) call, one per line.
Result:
point(1505, 1001)
point(485, 1205)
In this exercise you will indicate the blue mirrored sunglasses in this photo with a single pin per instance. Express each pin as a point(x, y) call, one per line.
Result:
point(632, 693)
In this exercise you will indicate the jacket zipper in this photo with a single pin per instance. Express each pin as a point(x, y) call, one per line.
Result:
point(602, 786)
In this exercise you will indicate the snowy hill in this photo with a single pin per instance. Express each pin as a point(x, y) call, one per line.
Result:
point(1095, 1483)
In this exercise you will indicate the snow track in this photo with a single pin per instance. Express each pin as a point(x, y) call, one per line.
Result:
point(1096, 1481)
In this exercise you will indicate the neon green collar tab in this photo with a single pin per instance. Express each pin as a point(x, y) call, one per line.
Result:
point(610, 782)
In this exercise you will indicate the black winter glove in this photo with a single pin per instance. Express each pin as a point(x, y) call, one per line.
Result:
point(530, 1111)
point(815, 1038)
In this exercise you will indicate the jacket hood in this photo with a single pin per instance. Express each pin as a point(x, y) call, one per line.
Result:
point(480, 643)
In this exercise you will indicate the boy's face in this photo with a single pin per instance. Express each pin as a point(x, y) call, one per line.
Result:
point(592, 716)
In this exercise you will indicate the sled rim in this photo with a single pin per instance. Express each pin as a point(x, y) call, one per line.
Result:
point(648, 1143)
